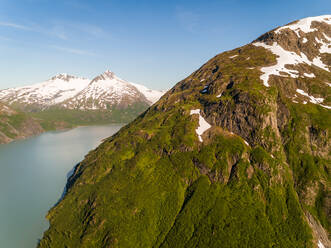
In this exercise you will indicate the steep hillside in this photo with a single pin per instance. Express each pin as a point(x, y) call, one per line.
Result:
point(16, 125)
point(235, 155)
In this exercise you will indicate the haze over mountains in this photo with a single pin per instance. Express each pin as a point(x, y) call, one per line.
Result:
point(235, 155)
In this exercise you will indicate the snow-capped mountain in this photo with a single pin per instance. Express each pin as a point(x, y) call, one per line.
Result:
point(66, 91)
point(51, 92)
point(107, 90)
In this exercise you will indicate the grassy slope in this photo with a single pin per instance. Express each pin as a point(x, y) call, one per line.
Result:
point(16, 124)
point(154, 185)
point(54, 117)
point(22, 124)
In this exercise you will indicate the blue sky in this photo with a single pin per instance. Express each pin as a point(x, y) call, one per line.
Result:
point(155, 43)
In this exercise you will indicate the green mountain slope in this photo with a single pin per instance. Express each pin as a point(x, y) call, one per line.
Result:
point(258, 177)
point(16, 125)
point(75, 117)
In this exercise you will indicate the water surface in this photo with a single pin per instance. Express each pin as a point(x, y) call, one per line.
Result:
point(32, 178)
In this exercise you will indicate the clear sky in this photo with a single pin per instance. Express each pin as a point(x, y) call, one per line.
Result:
point(155, 43)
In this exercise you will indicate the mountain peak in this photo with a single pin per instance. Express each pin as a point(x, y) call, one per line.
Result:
point(108, 72)
point(300, 43)
point(63, 76)
point(107, 75)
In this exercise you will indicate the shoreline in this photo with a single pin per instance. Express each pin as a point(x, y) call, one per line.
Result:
point(21, 138)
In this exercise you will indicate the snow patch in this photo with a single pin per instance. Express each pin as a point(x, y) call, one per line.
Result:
point(320, 245)
point(304, 40)
point(203, 124)
point(315, 100)
point(219, 95)
point(310, 75)
point(325, 106)
point(325, 46)
point(318, 62)
point(205, 89)
point(284, 58)
point(231, 57)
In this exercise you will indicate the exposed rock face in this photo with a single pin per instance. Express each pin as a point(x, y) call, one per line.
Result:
point(258, 175)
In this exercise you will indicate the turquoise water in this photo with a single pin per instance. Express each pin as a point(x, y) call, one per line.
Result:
point(33, 174)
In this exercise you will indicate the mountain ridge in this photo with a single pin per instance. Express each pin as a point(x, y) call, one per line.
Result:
point(64, 88)
point(108, 89)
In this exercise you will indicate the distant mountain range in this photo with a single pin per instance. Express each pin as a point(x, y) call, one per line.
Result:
point(65, 101)
point(65, 91)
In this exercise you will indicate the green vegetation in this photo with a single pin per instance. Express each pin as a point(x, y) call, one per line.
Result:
point(52, 118)
point(153, 184)
point(16, 124)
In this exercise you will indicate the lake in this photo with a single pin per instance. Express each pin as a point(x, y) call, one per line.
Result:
point(33, 173)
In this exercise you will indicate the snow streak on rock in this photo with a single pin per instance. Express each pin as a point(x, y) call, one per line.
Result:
point(315, 100)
